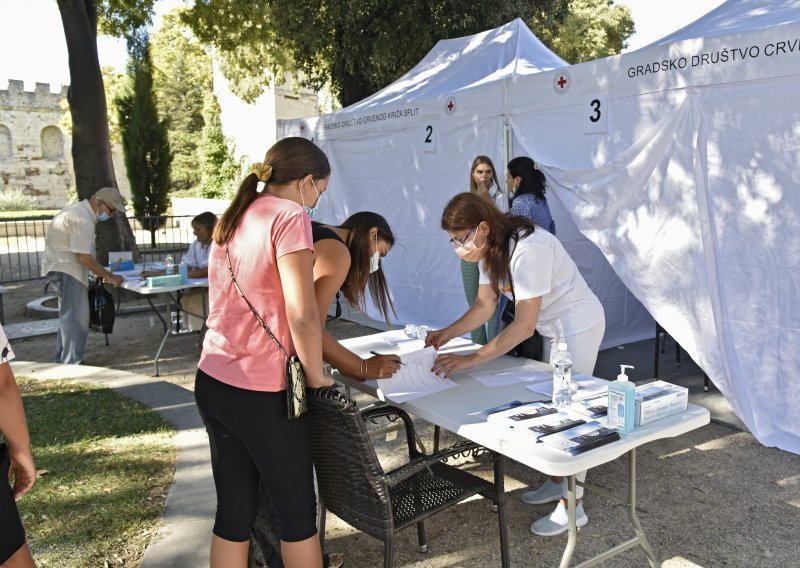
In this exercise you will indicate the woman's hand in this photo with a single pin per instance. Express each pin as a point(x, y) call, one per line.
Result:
point(448, 364)
point(23, 470)
point(381, 366)
point(324, 382)
point(438, 337)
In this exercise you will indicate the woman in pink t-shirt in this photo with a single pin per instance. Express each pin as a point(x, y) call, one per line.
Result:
point(264, 239)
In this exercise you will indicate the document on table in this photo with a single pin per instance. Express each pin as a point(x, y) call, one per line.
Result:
point(583, 386)
point(511, 376)
point(414, 379)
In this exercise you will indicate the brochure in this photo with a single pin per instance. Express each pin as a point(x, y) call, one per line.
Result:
point(581, 438)
point(554, 423)
point(521, 412)
point(596, 407)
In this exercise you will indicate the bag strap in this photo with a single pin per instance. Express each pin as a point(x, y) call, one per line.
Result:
point(249, 305)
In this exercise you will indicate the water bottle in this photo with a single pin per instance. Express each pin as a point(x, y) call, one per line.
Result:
point(169, 265)
point(416, 331)
point(562, 376)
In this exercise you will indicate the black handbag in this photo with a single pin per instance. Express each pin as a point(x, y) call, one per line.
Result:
point(101, 307)
point(296, 403)
point(533, 346)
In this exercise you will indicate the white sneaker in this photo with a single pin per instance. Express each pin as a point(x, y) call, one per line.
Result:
point(549, 492)
point(557, 521)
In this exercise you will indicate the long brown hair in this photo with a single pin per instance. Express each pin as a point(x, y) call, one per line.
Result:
point(473, 187)
point(290, 159)
point(358, 243)
point(466, 211)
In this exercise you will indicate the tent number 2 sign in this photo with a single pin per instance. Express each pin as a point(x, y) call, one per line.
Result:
point(429, 139)
point(595, 112)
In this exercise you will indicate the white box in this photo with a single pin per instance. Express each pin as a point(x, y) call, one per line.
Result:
point(659, 399)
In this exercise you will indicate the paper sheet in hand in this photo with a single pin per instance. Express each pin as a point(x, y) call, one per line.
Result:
point(511, 376)
point(414, 379)
point(583, 386)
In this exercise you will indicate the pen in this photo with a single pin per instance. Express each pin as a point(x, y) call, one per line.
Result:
point(376, 353)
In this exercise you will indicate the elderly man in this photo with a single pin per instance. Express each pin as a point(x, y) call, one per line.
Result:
point(68, 256)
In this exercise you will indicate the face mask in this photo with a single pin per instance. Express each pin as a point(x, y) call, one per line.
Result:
point(375, 258)
point(103, 216)
point(467, 248)
point(493, 190)
point(311, 210)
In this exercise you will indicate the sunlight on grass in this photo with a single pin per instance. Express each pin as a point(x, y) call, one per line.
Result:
point(105, 464)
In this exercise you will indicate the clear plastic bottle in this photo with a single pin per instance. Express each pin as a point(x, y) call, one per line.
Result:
point(416, 331)
point(169, 265)
point(562, 375)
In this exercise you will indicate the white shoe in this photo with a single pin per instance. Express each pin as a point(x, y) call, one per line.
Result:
point(549, 492)
point(557, 521)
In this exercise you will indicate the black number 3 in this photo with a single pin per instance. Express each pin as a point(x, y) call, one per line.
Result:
point(595, 104)
point(429, 130)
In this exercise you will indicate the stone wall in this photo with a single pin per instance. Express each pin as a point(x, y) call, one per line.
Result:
point(35, 153)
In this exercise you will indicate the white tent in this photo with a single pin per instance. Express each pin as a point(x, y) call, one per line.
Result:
point(405, 151)
point(680, 161)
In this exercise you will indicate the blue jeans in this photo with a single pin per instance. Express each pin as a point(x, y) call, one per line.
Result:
point(73, 317)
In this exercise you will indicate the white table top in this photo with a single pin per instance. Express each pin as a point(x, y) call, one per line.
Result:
point(135, 282)
point(458, 410)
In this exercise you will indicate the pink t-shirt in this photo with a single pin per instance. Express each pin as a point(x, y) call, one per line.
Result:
point(236, 350)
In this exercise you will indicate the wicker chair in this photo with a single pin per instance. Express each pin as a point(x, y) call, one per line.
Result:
point(353, 485)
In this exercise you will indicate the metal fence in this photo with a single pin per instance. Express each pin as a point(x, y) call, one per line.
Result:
point(22, 243)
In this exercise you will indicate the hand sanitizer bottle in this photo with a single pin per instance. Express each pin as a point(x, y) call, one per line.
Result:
point(621, 402)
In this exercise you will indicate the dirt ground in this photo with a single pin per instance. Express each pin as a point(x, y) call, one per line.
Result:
point(713, 497)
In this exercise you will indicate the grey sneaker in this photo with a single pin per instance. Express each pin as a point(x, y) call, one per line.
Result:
point(549, 492)
point(557, 521)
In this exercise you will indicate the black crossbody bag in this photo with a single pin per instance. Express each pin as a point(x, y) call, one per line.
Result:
point(533, 346)
point(296, 403)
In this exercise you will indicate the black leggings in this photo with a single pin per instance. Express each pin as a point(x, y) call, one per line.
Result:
point(12, 535)
point(251, 438)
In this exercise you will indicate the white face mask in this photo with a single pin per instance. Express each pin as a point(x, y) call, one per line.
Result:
point(468, 247)
point(493, 190)
point(374, 260)
point(306, 208)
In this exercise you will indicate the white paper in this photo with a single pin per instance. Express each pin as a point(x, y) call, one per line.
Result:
point(510, 376)
point(583, 386)
point(414, 379)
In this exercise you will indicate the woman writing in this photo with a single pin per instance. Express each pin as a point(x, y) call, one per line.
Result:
point(550, 295)
point(347, 258)
point(481, 183)
point(263, 241)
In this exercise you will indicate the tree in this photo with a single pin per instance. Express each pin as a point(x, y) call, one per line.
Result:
point(220, 169)
point(144, 138)
point(181, 77)
point(593, 29)
point(357, 47)
point(91, 148)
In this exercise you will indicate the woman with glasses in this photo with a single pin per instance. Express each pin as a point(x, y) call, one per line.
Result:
point(519, 260)
point(347, 258)
point(482, 183)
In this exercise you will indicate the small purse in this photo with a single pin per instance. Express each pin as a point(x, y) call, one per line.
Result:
point(296, 403)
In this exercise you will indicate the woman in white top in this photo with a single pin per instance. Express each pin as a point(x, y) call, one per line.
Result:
point(196, 258)
point(550, 295)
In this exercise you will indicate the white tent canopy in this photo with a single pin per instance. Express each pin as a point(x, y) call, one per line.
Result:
point(405, 151)
point(688, 184)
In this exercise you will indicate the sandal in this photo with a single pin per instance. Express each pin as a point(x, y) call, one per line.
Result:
point(334, 560)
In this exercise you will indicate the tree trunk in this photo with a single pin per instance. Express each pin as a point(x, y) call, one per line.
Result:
point(91, 145)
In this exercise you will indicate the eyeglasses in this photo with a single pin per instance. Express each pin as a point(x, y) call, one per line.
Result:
point(111, 210)
point(459, 243)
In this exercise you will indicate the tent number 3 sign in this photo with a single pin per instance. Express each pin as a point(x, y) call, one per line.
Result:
point(595, 111)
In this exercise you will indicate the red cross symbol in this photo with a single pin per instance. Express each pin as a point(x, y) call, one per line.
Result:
point(562, 81)
point(450, 107)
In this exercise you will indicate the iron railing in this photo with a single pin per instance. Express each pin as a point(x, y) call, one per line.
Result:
point(22, 243)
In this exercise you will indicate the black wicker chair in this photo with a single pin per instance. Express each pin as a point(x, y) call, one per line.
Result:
point(353, 485)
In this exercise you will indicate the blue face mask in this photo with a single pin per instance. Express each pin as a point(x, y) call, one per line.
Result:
point(306, 208)
point(103, 216)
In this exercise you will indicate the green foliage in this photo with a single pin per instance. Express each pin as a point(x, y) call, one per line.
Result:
point(181, 77)
point(144, 135)
point(356, 47)
point(593, 29)
point(106, 465)
point(219, 166)
point(118, 17)
point(15, 200)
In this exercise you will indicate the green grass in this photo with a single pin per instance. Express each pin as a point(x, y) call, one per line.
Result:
point(105, 463)
point(32, 214)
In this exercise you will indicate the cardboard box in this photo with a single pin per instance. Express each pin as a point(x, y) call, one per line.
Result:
point(659, 399)
point(162, 281)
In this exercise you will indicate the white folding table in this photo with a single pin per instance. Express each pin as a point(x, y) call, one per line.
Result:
point(460, 409)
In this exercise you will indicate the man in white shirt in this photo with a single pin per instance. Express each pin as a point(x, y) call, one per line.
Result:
point(68, 258)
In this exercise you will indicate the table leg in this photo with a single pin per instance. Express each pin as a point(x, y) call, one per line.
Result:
point(637, 526)
point(499, 484)
point(572, 537)
point(166, 333)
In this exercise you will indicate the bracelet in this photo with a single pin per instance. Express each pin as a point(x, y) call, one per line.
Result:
point(363, 368)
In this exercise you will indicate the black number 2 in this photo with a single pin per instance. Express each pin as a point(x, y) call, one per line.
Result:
point(595, 104)
point(429, 130)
